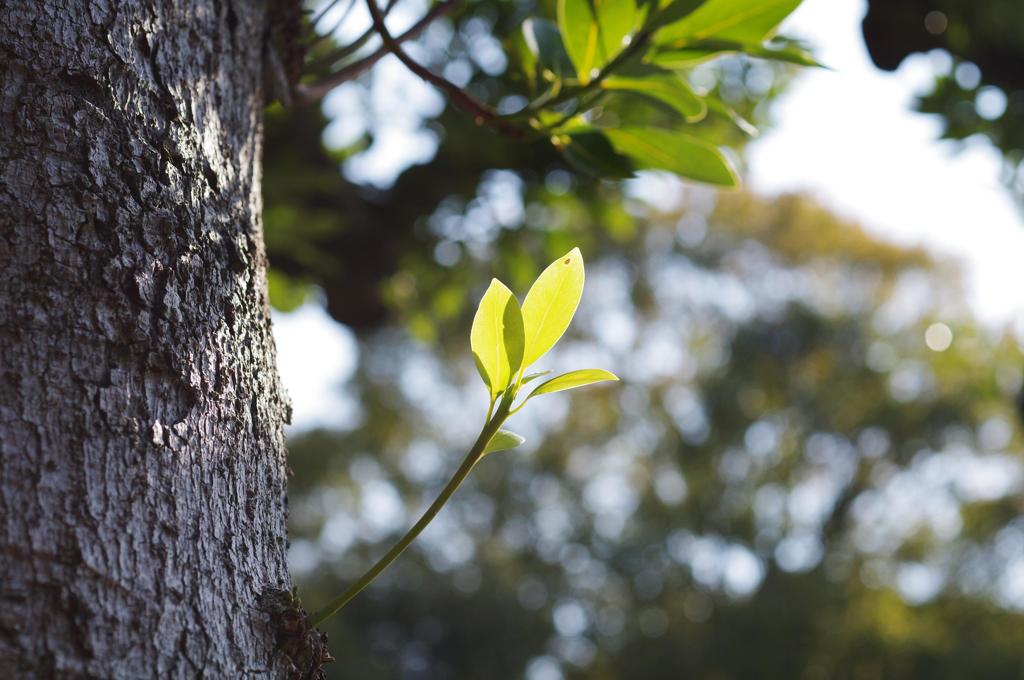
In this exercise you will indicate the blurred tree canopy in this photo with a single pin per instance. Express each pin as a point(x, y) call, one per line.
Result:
point(362, 243)
point(800, 477)
point(789, 483)
point(982, 89)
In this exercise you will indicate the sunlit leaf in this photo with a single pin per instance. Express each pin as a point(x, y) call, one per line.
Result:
point(615, 21)
point(568, 381)
point(716, 105)
point(673, 11)
point(534, 376)
point(700, 51)
point(744, 21)
point(791, 54)
point(682, 58)
point(551, 303)
point(545, 43)
point(676, 152)
point(497, 337)
point(502, 441)
point(559, 122)
point(664, 86)
point(578, 26)
point(592, 153)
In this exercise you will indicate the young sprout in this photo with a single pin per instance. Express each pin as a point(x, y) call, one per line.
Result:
point(506, 339)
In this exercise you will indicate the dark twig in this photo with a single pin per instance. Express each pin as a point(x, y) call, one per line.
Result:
point(337, 24)
point(323, 12)
point(482, 113)
point(316, 91)
point(337, 55)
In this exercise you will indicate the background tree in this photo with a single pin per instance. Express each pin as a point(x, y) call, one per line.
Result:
point(791, 483)
point(316, 217)
point(803, 474)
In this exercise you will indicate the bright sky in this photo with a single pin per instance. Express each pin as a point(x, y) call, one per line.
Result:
point(849, 137)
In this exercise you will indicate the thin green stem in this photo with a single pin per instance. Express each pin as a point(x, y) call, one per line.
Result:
point(490, 409)
point(474, 455)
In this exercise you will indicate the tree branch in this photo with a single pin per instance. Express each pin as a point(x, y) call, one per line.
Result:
point(323, 12)
point(306, 94)
point(337, 55)
point(337, 24)
point(482, 113)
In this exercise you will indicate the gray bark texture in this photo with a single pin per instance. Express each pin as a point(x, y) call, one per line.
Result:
point(142, 477)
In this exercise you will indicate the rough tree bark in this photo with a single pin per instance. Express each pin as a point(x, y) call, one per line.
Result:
point(142, 478)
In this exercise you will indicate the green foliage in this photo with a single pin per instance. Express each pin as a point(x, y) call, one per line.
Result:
point(551, 303)
point(672, 11)
point(580, 33)
point(700, 51)
point(676, 152)
point(572, 379)
point(665, 86)
point(323, 228)
point(501, 354)
point(593, 153)
point(507, 339)
point(616, 21)
point(502, 441)
point(765, 404)
point(749, 317)
point(616, 48)
point(497, 338)
point(742, 21)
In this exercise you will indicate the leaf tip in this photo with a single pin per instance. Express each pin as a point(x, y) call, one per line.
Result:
point(573, 258)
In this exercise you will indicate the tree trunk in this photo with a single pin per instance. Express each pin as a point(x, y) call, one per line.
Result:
point(142, 479)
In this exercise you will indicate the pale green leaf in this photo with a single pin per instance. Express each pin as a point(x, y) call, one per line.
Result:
point(664, 86)
point(503, 440)
point(792, 54)
point(578, 26)
point(534, 376)
point(672, 11)
point(568, 381)
point(615, 21)
point(745, 21)
point(676, 152)
point(558, 122)
point(551, 303)
point(497, 337)
point(721, 108)
point(703, 50)
point(682, 58)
